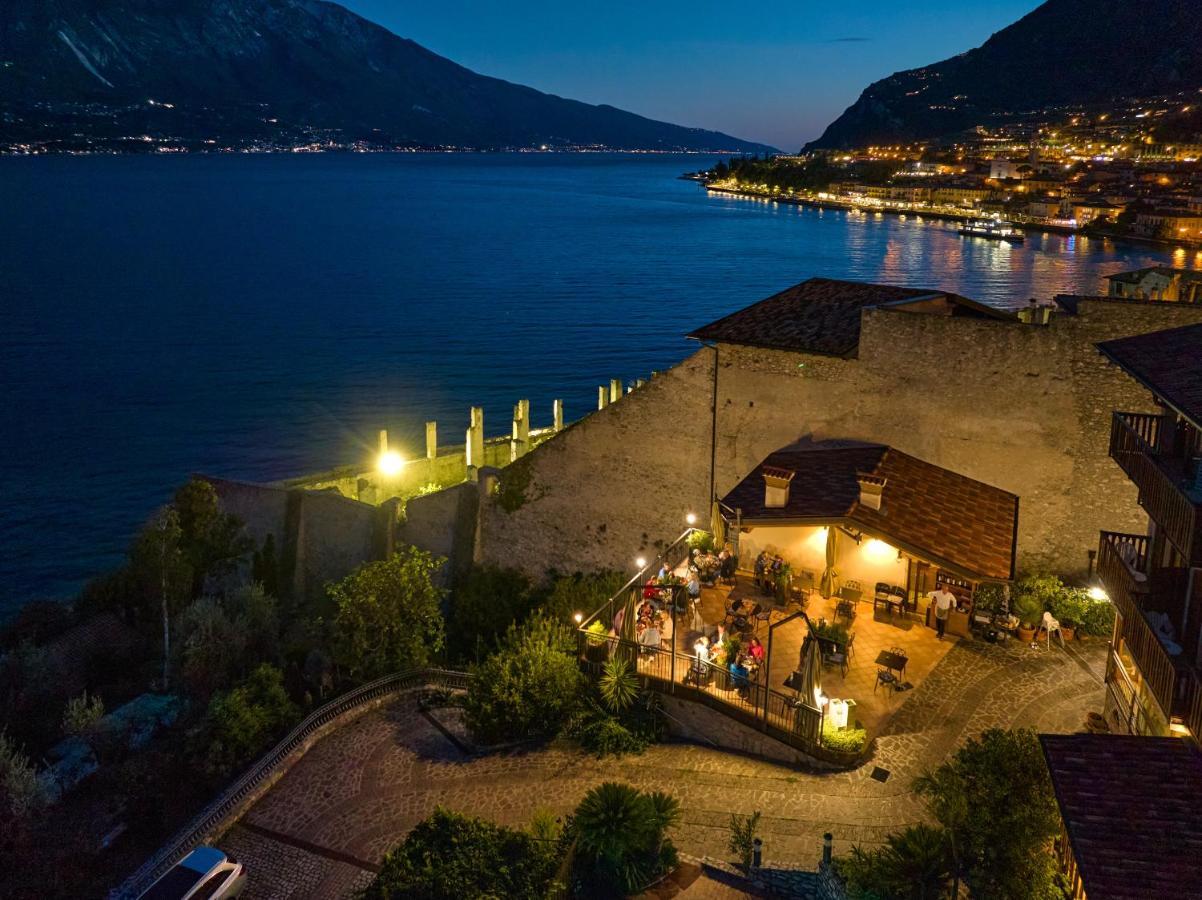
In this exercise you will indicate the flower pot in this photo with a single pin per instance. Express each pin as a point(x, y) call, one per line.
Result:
point(1026, 633)
point(1068, 632)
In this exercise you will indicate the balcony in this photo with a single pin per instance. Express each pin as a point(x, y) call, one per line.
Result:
point(1122, 566)
point(1165, 490)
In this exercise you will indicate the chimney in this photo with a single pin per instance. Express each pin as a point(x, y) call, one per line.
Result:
point(872, 487)
point(776, 487)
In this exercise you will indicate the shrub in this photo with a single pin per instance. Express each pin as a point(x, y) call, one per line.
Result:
point(483, 606)
point(849, 740)
point(527, 688)
point(1098, 619)
point(621, 839)
point(82, 714)
point(988, 597)
point(388, 615)
point(453, 857)
point(914, 864)
point(1070, 606)
point(836, 632)
point(20, 793)
point(618, 685)
point(241, 723)
point(580, 593)
point(1006, 854)
point(1033, 594)
point(742, 837)
point(701, 540)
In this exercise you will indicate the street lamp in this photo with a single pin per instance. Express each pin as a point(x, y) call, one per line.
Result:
point(641, 562)
point(691, 518)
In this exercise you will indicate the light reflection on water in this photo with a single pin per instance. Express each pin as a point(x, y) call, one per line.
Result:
point(262, 316)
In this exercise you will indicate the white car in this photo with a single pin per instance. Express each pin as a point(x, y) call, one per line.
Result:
point(204, 874)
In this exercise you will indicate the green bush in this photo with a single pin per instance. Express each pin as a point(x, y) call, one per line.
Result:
point(1007, 854)
point(241, 723)
point(742, 837)
point(580, 593)
point(1098, 619)
point(988, 597)
point(914, 864)
point(20, 793)
point(527, 688)
point(388, 615)
point(835, 632)
point(621, 840)
point(82, 714)
point(454, 857)
point(1070, 606)
point(701, 540)
point(483, 606)
point(849, 740)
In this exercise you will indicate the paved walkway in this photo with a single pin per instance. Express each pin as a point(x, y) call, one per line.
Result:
point(324, 827)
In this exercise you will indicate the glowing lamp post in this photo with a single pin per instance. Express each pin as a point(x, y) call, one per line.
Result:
point(390, 463)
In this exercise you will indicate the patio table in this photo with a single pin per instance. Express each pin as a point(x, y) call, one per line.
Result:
point(892, 661)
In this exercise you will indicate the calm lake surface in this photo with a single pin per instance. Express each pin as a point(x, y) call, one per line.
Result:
point(263, 316)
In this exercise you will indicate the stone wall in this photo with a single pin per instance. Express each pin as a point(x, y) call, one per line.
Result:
point(1024, 407)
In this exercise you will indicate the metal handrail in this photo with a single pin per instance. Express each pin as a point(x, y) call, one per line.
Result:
point(638, 578)
point(212, 815)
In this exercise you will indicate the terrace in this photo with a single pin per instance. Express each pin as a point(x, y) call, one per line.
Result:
point(814, 621)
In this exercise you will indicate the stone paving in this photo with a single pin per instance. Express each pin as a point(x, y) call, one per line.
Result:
point(321, 830)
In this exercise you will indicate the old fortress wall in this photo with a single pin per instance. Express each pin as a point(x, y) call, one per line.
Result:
point(1024, 407)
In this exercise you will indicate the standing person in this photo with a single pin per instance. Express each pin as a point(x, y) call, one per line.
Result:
point(943, 600)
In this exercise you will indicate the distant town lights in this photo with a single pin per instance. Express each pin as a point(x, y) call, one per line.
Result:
point(390, 463)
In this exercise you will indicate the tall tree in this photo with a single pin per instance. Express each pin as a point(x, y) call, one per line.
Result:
point(157, 556)
point(213, 542)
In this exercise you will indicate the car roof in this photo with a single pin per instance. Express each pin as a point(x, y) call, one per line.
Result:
point(185, 875)
point(203, 859)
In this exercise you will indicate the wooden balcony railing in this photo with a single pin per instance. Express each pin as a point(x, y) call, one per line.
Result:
point(1120, 558)
point(1134, 439)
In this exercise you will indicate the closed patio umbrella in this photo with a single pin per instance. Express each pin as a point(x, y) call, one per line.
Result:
point(829, 575)
point(811, 672)
point(717, 526)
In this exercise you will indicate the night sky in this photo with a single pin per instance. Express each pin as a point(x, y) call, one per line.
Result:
point(775, 71)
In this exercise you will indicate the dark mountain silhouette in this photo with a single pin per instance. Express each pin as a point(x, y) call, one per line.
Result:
point(261, 69)
point(1063, 53)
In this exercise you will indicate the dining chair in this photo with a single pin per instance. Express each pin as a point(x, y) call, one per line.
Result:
point(885, 677)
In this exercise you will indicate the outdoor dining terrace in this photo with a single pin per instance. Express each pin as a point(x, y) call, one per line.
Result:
point(822, 669)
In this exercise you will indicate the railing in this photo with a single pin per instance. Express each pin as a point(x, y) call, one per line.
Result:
point(212, 817)
point(1128, 593)
point(1191, 711)
point(672, 556)
point(1134, 442)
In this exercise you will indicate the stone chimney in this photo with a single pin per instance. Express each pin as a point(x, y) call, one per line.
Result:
point(872, 487)
point(776, 487)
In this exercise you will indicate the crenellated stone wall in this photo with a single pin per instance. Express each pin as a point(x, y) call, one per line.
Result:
point(1024, 407)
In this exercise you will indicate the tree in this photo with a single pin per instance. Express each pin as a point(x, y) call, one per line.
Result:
point(484, 605)
point(527, 688)
point(453, 857)
point(621, 839)
point(212, 542)
point(388, 616)
point(240, 723)
point(1006, 854)
point(159, 560)
point(914, 864)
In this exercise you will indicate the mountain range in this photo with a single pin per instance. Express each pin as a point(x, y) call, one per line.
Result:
point(238, 71)
point(1065, 52)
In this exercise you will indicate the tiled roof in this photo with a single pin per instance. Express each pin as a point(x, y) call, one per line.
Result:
point(822, 315)
point(1132, 807)
point(1136, 275)
point(1168, 363)
point(931, 512)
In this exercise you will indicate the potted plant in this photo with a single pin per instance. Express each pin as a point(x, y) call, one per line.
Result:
point(1028, 607)
point(596, 650)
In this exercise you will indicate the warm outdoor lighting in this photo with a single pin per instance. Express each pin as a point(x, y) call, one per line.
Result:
point(579, 617)
point(390, 463)
point(878, 551)
point(691, 518)
point(1096, 593)
point(641, 562)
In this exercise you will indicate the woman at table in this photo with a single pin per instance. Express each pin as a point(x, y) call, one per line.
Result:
point(694, 584)
point(755, 649)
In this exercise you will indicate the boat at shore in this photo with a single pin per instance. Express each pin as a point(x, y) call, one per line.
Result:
point(994, 230)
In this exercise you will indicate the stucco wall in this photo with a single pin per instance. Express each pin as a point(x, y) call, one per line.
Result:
point(1024, 407)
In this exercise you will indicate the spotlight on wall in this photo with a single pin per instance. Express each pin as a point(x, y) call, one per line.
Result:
point(1096, 593)
point(390, 463)
point(691, 518)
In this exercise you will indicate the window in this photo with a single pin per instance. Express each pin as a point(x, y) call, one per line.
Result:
point(210, 888)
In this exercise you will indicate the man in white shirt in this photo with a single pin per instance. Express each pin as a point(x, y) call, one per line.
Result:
point(942, 600)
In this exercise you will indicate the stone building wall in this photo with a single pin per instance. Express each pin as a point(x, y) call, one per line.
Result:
point(1024, 407)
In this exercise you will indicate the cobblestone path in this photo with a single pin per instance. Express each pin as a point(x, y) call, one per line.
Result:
point(323, 828)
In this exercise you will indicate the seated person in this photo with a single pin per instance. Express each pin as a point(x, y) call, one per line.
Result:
point(646, 610)
point(755, 649)
point(738, 675)
point(761, 563)
point(650, 589)
point(694, 584)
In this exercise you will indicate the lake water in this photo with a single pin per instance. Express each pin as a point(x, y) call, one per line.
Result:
point(263, 316)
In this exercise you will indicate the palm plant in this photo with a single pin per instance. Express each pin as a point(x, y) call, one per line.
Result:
point(914, 864)
point(620, 837)
point(618, 685)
